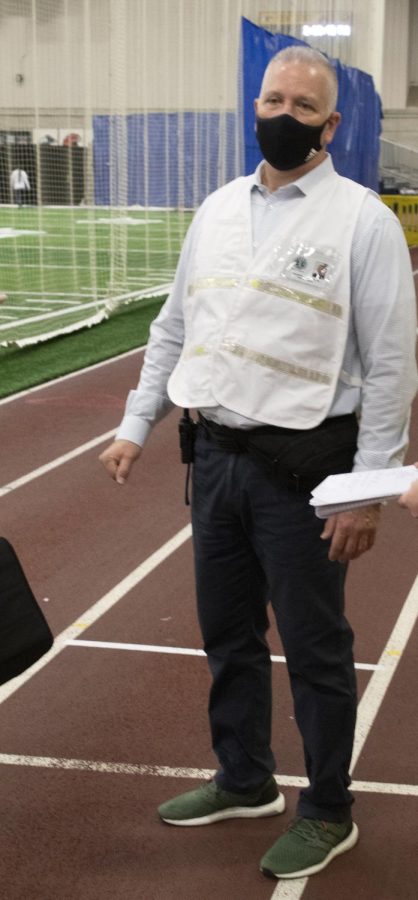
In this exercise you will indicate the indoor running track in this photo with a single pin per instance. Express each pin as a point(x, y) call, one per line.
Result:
point(113, 720)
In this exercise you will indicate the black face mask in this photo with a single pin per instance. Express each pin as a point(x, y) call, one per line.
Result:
point(286, 143)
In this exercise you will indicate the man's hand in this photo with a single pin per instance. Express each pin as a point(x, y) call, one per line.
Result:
point(352, 532)
point(409, 499)
point(118, 458)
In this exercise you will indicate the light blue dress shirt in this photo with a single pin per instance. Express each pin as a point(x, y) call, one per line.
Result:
point(380, 348)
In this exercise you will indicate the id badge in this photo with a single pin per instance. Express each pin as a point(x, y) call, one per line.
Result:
point(310, 265)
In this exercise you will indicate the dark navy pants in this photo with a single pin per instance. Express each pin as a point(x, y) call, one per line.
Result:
point(255, 543)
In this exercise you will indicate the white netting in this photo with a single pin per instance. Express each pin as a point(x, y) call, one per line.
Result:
point(124, 114)
point(399, 166)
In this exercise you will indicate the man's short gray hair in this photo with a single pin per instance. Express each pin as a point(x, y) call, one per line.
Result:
point(309, 56)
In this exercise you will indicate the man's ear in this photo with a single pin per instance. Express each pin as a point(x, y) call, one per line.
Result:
point(331, 126)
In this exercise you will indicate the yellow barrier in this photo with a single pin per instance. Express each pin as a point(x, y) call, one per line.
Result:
point(405, 207)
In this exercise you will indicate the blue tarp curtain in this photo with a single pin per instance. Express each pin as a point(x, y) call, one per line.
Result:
point(173, 159)
point(355, 148)
point(177, 159)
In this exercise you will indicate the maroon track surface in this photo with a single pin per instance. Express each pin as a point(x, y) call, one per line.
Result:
point(84, 835)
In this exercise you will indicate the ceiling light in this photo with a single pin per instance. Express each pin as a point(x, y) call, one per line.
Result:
point(329, 30)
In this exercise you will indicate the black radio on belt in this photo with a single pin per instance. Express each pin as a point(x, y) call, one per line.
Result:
point(187, 432)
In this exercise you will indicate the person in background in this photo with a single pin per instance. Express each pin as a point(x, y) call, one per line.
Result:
point(19, 183)
point(279, 365)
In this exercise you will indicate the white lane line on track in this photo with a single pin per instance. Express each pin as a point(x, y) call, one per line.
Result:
point(289, 890)
point(86, 765)
point(98, 609)
point(369, 706)
point(180, 651)
point(375, 691)
point(86, 370)
point(54, 463)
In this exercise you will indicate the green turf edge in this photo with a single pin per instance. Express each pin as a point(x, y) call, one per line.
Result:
point(22, 368)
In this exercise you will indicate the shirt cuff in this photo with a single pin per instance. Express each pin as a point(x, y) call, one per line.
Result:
point(372, 460)
point(134, 429)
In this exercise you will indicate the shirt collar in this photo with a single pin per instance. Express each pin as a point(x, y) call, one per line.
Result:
point(302, 185)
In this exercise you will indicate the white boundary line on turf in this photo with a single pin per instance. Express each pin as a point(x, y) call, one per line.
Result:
point(147, 293)
point(86, 765)
point(30, 308)
point(53, 315)
point(40, 294)
point(177, 651)
point(98, 609)
point(86, 369)
point(53, 301)
point(369, 706)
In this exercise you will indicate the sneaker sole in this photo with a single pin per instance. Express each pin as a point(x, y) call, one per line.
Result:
point(235, 812)
point(342, 847)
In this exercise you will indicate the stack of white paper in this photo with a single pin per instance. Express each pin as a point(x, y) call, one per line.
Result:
point(340, 492)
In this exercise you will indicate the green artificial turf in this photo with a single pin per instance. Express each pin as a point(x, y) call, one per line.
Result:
point(21, 368)
point(61, 267)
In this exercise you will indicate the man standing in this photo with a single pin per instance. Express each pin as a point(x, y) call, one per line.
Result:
point(294, 377)
point(19, 183)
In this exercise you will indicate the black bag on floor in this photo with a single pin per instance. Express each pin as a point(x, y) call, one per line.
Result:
point(24, 632)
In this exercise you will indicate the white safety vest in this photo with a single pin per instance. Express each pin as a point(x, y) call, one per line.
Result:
point(265, 332)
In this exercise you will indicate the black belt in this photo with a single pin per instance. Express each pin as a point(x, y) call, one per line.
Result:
point(232, 440)
point(237, 440)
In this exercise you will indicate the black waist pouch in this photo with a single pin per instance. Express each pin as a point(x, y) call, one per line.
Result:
point(24, 632)
point(309, 455)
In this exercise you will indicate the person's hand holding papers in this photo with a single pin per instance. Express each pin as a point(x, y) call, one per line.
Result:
point(352, 532)
point(351, 503)
point(339, 493)
point(410, 498)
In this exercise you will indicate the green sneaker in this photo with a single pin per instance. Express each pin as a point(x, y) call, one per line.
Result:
point(307, 847)
point(209, 803)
